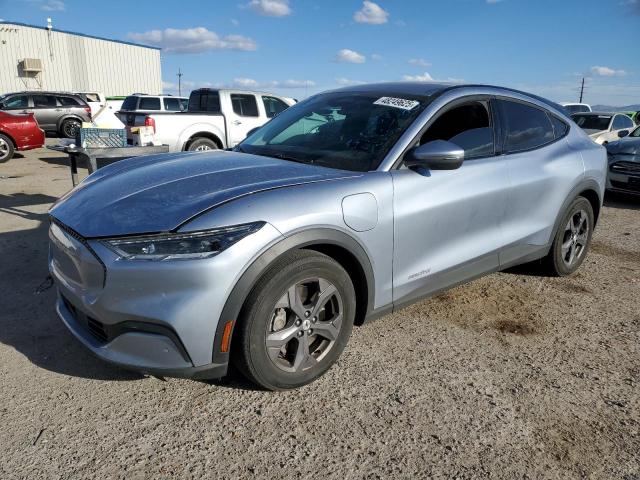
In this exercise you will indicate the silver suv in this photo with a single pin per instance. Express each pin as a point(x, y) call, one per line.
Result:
point(56, 112)
point(345, 207)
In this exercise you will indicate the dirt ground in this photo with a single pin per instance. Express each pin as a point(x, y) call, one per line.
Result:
point(511, 376)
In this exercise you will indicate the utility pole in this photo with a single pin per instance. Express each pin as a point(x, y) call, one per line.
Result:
point(180, 82)
point(581, 90)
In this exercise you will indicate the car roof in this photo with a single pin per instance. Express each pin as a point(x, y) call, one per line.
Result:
point(41, 92)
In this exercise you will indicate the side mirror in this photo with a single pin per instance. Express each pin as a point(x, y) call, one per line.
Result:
point(623, 133)
point(436, 155)
point(252, 131)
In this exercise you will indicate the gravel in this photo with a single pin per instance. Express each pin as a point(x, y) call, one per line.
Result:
point(512, 375)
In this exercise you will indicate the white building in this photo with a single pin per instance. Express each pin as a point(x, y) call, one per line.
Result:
point(41, 58)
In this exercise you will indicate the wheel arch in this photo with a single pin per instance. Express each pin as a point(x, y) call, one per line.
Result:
point(588, 189)
point(63, 118)
point(13, 140)
point(211, 136)
point(334, 243)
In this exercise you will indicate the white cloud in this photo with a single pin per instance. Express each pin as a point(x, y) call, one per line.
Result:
point(53, 6)
point(193, 40)
point(271, 8)
point(245, 83)
point(295, 83)
point(418, 78)
point(349, 56)
point(376, 57)
point(419, 62)
point(347, 81)
point(371, 13)
point(607, 72)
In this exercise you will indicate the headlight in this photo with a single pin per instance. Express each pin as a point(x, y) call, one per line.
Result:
point(174, 246)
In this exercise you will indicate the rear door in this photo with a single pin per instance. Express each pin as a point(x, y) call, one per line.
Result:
point(47, 111)
point(542, 172)
point(447, 223)
point(242, 116)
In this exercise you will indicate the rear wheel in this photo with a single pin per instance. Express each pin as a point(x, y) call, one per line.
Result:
point(70, 128)
point(297, 321)
point(6, 148)
point(572, 239)
point(202, 145)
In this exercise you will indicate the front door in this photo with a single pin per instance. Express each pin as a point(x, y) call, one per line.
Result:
point(447, 223)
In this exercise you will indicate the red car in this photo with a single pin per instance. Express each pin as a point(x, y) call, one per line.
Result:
point(18, 132)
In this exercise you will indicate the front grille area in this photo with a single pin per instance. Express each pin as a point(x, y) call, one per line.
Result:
point(631, 186)
point(628, 168)
point(93, 326)
point(97, 329)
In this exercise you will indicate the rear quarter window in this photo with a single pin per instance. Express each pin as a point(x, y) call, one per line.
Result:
point(526, 127)
point(130, 103)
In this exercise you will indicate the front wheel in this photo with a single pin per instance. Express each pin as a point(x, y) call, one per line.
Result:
point(572, 239)
point(296, 322)
point(6, 149)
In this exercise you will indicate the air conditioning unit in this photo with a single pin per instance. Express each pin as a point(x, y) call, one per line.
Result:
point(32, 65)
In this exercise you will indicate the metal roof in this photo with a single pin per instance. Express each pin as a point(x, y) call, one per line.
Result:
point(19, 24)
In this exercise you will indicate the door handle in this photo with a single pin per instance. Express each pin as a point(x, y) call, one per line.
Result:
point(237, 122)
point(58, 110)
point(24, 111)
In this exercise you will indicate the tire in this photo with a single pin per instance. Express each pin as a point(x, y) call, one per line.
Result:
point(302, 281)
point(202, 144)
point(6, 149)
point(70, 127)
point(574, 232)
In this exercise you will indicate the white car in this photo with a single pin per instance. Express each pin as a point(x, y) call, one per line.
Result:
point(604, 127)
point(95, 100)
point(576, 107)
point(215, 119)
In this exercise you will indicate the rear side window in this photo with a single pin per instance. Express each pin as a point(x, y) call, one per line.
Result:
point(15, 103)
point(171, 104)
point(244, 105)
point(273, 106)
point(69, 102)
point(560, 128)
point(622, 121)
point(44, 101)
point(526, 127)
point(149, 103)
point(204, 101)
point(130, 103)
point(184, 103)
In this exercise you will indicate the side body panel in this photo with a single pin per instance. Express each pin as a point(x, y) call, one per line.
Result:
point(176, 129)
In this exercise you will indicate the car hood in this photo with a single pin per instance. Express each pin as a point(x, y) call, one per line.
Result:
point(625, 146)
point(161, 192)
point(594, 133)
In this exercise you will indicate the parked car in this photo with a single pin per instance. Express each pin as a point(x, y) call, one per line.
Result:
point(95, 100)
point(267, 255)
point(139, 105)
point(624, 164)
point(18, 132)
point(603, 127)
point(635, 116)
point(215, 119)
point(576, 107)
point(56, 112)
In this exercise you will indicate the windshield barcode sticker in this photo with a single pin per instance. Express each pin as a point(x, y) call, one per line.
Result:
point(402, 103)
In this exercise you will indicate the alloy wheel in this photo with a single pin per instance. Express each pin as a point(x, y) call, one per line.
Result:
point(202, 148)
point(576, 236)
point(70, 128)
point(4, 149)
point(305, 325)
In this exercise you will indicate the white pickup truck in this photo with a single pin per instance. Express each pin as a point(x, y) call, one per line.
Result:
point(215, 119)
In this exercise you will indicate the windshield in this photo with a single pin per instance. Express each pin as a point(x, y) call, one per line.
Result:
point(344, 130)
point(592, 122)
point(576, 108)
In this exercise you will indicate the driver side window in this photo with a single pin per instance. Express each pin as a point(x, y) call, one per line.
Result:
point(468, 126)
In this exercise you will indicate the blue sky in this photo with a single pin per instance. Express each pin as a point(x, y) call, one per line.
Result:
point(299, 47)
